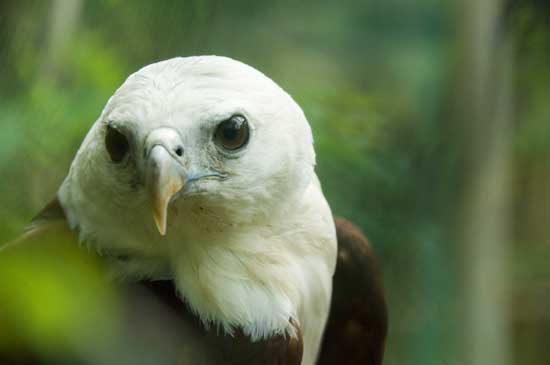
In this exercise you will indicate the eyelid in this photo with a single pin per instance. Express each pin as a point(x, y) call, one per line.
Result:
point(212, 121)
point(124, 127)
point(116, 126)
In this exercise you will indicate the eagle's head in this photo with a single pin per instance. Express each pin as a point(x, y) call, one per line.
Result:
point(189, 143)
point(201, 170)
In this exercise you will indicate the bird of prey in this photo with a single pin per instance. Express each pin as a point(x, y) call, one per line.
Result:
point(197, 182)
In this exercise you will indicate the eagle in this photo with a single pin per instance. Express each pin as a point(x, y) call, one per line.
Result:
point(196, 186)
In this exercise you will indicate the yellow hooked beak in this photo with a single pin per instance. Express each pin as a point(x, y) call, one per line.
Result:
point(165, 177)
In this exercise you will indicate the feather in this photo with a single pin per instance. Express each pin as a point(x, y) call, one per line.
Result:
point(358, 320)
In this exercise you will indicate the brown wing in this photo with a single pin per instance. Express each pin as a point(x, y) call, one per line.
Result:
point(358, 320)
point(157, 327)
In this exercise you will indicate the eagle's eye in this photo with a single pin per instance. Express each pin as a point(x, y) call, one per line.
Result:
point(233, 133)
point(117, 144)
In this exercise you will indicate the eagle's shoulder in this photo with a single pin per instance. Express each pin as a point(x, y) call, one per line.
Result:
point(48, 228)
point(51, 212)
point(358, 320)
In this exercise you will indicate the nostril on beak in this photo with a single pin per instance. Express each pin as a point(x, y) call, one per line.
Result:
point(166, 137)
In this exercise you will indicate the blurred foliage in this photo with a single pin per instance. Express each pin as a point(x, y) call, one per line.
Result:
point(374, 79)
point(54, 294)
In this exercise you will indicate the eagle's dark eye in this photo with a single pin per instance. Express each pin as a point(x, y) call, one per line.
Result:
point(233, 133)
point(117, 144)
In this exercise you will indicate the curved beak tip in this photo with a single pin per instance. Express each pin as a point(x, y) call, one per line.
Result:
point(160, 222)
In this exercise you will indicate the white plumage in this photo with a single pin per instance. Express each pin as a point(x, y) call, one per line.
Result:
point(249, 250)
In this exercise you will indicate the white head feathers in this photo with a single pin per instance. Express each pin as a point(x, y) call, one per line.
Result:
point(192, 96)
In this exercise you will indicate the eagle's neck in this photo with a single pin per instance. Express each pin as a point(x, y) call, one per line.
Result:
point(247, 280)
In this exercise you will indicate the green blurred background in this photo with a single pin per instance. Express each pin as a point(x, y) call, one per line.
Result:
point(431, 124)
